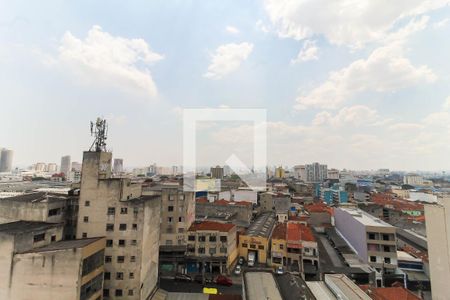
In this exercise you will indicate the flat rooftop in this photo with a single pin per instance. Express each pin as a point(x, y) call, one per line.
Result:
point(262, 226)
point(320, 290)
point(26, 226)
point(261, 285)
point(344, 288)
point(364, 218)
point(36, 197)
point(64, 245)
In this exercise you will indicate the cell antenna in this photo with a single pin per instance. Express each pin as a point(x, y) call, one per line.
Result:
point(99, 130)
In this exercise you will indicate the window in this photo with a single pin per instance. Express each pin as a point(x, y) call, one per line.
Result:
point(54, 212)
point(245, 245)
point(223, 238)
point(108, 258)
point(123, 210)
point(169, 219)
point(121, 243)
point(181, 197)
point(119, 293)
point(131, 275)
point(281, 246)
point(93, 262)
point(53, 238)
point(39, 237)
point(212, 250)
point(86, 219)
point(119, 275)
point(120, 259)
point(170, 208)
point(191, 248)
point(261, 247)
point(84, 235)
point(191, 238)
point(387, 260)
point(201, 250)
point(133, 242)
point(87, 203)
point(371, 236)
point(109, 243)
point(134, 226)
point(373, 259)
point(105, 292)
point(130, 292)
point(111, 211)
point(252, 246)
point(107, 276)
point(385, 237)
point(171, 197)
point(201, 238)
point(180, 219)
point(132, 258)
point(135, 211)
point(386, 248)
point(212, 238)
point(123, 227)
point(109, 227)
point(168, 242)
point(223, 250)
point(180, 230)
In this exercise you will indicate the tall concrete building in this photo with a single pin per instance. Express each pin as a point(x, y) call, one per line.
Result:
point(6, 159)
point(300, 172)
point(115, 208)
point(52, 168)
point(118, 166)
point(217, 172)
point(316, 172)
point(65, 165)
point(438, 240)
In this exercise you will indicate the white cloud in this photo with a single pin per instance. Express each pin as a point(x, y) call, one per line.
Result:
point(227, 59)
point(308, 52)
point(446, 104)
point(117, 61)
point(385, 70)
point(355, 116)
point(352, 22)
point(232, 29)
point(442, 23)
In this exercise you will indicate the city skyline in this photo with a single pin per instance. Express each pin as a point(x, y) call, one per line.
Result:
point(363, 90)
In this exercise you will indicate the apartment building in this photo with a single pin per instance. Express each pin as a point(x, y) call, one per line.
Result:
point(373, 239)
point(41, 266)
point(213, 244)
point(115, 208)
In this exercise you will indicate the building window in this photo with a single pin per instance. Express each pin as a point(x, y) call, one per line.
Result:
point(84, 235)
point(119, 275)
point(223, 250)
point(86, 219)
point(386, 249)
point(169, 220)
point(107, 276)
point(53, 238)
point(131, 275)
point(385, 237)
point(134, 226)
point(212, 238)
point(121, 243)
point(130, 292)
point(245, 245)
point(223, 238)
point(201, 238)
point(261, 247)
point(168, 242)
point(281, 246)
point(132, 258)
point(120, 259)
point(135, 211)
point(39, 237)
point(105, 292)
point(123, 210)
point(171, 197)
point(373, 259)
point(133, 242)
point(201, 250)
point(108, 258)
point(170, 208)
point(387, 260)
point(87, 203)
point(119, 293)
point(123, 227)
point(54, 212)
point(371, 236)
point(109, 243)
point(180, 230)
point(252, 246)
point(191, 238)
point(111, 211)
point(181, 197)
point(180, 219)
point(212, 250)
point(109, 227)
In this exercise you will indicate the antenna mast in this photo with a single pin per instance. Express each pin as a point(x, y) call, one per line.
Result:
point(99, 130)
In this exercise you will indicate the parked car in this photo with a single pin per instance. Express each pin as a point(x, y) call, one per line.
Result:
point(223, 280)
point(199, 279)
point(279, 271)
point(237, 270)
point(241, 261)
point(183, 277)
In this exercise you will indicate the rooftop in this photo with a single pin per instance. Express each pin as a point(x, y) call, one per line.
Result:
point(26, 226)
point(36, 197)
point(364, 218)
point(397, 293)
point(344, 288)
point(261, 285)
point(320, 290)
point(211, 226)
point(64, 245)
point(262, 226)
point(279, 232)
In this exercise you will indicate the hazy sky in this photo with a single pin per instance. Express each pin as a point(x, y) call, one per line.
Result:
point(354, 83)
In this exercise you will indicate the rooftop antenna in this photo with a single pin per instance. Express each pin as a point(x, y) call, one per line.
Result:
point(99, 130)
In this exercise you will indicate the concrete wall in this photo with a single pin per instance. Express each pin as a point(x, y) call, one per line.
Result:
point(11, 211)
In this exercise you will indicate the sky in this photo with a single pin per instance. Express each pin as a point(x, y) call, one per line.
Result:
point(356, 84)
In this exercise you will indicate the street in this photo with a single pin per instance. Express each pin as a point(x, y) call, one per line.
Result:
point(171, 285)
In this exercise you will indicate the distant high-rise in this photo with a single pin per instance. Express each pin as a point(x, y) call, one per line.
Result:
point(76, 166)
point(316, 172)
point(217, 172)
point(52, 168)
point(65, 164)
point(118, 166)
point(6, 158)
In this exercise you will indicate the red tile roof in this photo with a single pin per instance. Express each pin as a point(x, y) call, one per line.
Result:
point(279, 232)
point(202, 200)
point(388, 293)
point(211, 226)
point(318, 208)
point(399, 204)
point(293, 232)
point(306, 233)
